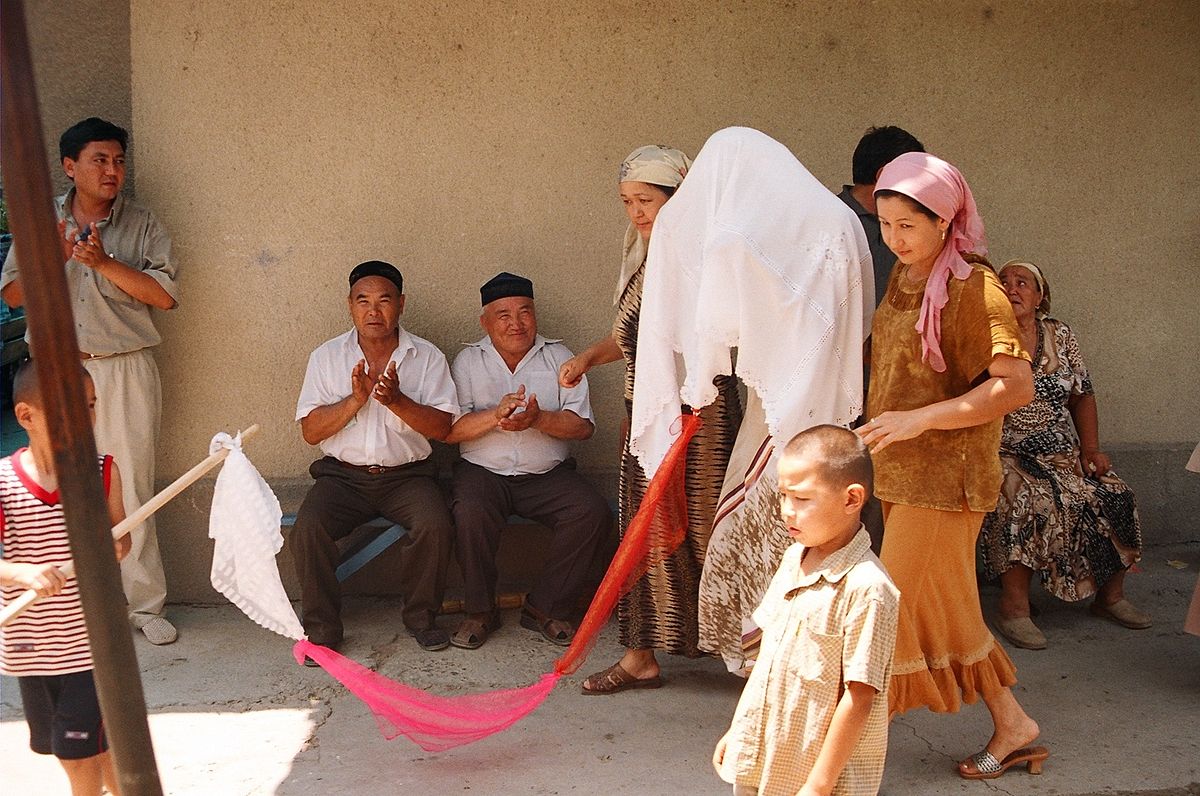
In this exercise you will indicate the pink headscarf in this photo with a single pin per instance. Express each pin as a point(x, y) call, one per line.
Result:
point(939, 186)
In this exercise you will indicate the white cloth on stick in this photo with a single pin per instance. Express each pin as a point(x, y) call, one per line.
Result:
point(245, 527)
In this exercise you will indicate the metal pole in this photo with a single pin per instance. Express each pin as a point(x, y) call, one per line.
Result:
point(56, 352)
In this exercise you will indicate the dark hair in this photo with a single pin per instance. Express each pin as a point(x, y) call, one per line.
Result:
point(878, 147)
point(920, 208)
point(844, 457)
point(83, 133)
point(27, 387)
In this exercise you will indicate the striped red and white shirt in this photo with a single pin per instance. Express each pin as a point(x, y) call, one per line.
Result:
point(50, 637)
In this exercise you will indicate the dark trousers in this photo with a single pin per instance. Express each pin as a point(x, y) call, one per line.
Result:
point(560, 499)
point(344, 498)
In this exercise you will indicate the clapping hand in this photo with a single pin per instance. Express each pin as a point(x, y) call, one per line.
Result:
point(519, 421)
point(387, 388)
point(89, 249)
point(360, 383)
point(509, 404)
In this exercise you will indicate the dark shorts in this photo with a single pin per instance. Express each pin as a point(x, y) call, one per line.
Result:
point(63, 714)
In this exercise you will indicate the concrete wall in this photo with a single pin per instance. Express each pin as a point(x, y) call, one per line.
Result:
point(81, 64)
point(281, 143)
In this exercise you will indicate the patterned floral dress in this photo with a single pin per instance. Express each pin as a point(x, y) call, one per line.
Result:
point(1075, 530)
point(660, 611)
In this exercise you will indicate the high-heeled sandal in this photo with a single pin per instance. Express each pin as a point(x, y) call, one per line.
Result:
point(988, 767)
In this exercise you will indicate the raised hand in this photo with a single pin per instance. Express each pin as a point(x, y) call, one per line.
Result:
point(360, 383)
point(90, 250)
point(519, 421)
point(387, 388)
point(509, 404)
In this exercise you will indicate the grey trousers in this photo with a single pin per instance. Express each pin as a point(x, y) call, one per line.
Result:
point(561, 499)
point(344, 498)
point(128, 412)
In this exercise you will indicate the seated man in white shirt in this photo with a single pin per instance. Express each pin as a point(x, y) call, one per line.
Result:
point(513, 432)
point(372, 399)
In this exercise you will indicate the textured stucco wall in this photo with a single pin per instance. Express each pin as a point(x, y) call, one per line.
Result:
point(283, 142)
point(81, 65)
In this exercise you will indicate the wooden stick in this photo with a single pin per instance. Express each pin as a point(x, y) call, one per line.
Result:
point(29, 596)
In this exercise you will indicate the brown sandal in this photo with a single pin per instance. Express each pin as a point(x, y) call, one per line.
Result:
point(556, 631)
point(473, 631)
point(615, 679)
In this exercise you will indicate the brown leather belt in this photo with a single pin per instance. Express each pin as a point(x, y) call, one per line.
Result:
point(373, 469)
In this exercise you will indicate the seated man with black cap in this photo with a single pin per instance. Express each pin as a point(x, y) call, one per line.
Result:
point(513, 431)
point(372, 399)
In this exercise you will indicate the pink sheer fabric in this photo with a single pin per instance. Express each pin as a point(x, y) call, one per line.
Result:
point(434, 723)
point(437, 723)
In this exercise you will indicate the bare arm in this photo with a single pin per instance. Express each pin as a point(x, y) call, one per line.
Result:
point(1087, 426)
point(476, 424)
point(116, 510)
point(564, 424)
point(600, 353)
point(425, 420)
point(46, 579)
point(845, 729)
point(139, 285)
point(324, 421)
point(1009, 387)
point(12, 294)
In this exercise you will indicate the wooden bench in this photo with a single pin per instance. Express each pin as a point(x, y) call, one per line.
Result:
point(362, 545)
point(370, 539)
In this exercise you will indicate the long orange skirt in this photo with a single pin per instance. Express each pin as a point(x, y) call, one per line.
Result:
point(945, 654)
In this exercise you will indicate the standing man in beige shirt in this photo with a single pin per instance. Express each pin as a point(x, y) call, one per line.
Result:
point(118, 267)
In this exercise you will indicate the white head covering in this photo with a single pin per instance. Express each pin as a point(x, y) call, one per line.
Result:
point(653, 164)
point(752, 252)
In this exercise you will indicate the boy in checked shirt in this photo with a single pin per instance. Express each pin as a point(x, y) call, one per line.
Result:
point(812, 718)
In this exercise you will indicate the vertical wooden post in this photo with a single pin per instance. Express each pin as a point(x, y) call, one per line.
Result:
point(56, 353)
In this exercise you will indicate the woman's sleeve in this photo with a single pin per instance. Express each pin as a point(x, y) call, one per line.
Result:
point(986, 325)
point(1081, 382)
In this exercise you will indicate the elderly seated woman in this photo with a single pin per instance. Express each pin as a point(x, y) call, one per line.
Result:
point(1063, 512)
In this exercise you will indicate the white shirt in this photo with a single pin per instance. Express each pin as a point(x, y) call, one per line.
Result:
point(376, 435)
point(483, 379)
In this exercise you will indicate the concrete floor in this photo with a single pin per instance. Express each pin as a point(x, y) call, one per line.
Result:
point(231, 713)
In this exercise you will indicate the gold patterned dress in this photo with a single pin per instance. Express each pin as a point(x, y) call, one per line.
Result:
point(660, 611)
point(936, 488)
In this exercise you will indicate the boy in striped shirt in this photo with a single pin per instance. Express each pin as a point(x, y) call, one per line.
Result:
point(46, 647)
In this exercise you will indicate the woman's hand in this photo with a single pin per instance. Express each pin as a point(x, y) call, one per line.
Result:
point(573, 370)
point(1094, 461)
point(879, 432)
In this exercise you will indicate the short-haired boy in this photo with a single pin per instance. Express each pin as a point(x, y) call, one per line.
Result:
point(46, 647)
point(812, 718)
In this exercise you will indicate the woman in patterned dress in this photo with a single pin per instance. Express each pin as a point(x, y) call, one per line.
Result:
point(659, 612)
point(1062, 512)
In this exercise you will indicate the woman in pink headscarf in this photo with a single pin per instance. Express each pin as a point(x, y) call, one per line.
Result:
point(947, 365)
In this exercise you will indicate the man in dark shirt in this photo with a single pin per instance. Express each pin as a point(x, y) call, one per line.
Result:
point(878, 147)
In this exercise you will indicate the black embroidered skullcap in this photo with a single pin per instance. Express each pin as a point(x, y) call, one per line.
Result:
point(378, 268)
point(503, 285)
